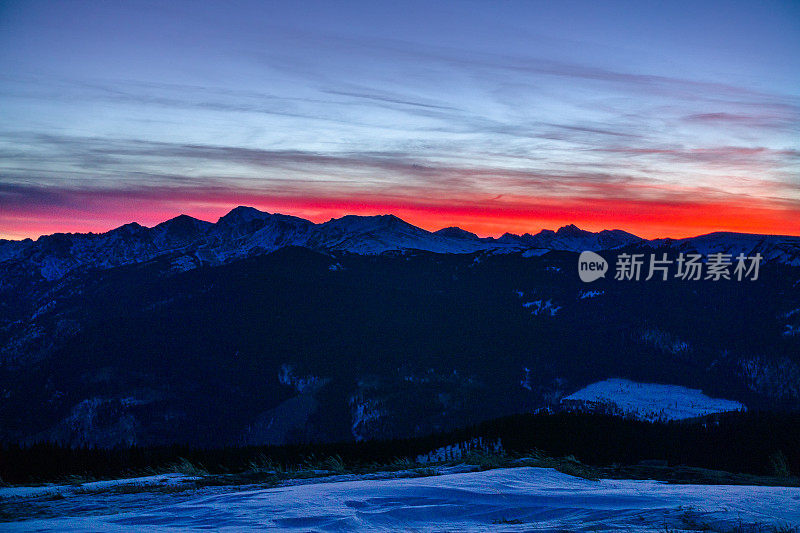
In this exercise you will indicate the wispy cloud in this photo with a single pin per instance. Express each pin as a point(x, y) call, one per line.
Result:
point(304, 119)
point(428, 192)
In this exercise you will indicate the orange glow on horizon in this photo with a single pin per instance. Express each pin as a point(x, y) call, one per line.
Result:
point(648, 219)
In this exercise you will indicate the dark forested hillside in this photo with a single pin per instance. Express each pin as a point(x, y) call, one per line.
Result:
point(298, 345)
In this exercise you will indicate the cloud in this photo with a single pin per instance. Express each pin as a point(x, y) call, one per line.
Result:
point(755, 158)
point(130, 162)
point(681, 213)
point(388, 98)
point(790, 120)
point(516, 138)
point(130, 180)
point(406, 52)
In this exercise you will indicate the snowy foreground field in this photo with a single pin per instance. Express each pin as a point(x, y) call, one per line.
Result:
point(509, 499)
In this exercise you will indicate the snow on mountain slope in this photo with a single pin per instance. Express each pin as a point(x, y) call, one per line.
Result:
point(374, 235)
point(60, 253)
point(575, 239)
point(649, 401)
point(12, 249)
point(457, 233)
point(246, 231)
point(771, 247)
point(542, 307)
point(243, 232)
point(590, 294)
point(511, 499)
point(55, 255)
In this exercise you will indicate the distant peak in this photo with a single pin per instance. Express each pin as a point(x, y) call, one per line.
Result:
point(129, 226)
point(183, 222)
point(243, 213)
point(244, 209)
point(619, 233)
point(383, 220)
point(570, 229)
point(391, 219)
point(456, 233)
point(180, 219)
point(510, 238)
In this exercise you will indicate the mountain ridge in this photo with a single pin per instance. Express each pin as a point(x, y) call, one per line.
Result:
point(363, 327)
point(246, 231)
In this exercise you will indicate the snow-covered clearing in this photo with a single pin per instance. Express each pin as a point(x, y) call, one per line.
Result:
point(651, 401)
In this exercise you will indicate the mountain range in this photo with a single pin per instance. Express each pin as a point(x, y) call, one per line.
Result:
point(246, 232)
point(267, 329)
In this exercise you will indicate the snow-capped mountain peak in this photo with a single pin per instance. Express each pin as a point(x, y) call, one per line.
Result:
point(378, 234)
point(242, 214)
point(182, 224)
point(456, 233)
point(571, 230)
point(784, 248)
point(246, 231)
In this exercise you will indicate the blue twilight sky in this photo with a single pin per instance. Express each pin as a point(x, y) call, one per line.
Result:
point(663, 118)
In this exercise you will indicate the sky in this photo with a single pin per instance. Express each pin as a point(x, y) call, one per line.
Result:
point(666, 119)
